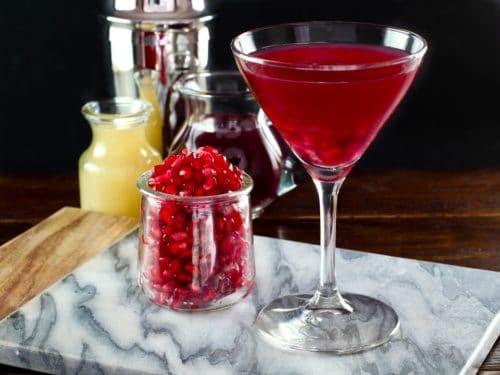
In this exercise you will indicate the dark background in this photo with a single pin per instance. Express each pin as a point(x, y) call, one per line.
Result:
point(53, 59)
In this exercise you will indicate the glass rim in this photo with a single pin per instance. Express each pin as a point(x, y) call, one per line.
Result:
point(180, 85)
point(144, 188)
point(140, 73)
point(326, 67)
point(139, 115)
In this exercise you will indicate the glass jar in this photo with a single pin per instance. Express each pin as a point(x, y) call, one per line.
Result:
point(221, 112)
point(118, 154)
point(195, 253)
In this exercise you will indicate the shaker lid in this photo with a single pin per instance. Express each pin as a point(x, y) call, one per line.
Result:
point(157, 10)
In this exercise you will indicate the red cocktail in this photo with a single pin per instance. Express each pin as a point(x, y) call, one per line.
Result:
point(328, 87)
point(329, 117)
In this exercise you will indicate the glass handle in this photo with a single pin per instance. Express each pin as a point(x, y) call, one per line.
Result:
point(287, 180)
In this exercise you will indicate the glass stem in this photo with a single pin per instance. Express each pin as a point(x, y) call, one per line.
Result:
point(327, 295)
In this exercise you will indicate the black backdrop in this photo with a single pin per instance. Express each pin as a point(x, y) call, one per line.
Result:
point(53, 59)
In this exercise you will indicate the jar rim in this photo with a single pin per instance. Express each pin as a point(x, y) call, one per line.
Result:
point(183, 88)
point(122, 112)
point(144, 188)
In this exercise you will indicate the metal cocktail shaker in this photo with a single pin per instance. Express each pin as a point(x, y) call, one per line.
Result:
point(156, 34)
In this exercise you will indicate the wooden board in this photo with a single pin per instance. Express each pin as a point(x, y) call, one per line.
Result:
point(37, 258)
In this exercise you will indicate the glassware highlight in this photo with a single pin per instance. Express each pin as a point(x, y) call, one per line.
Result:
point(118, 154)
point(179, 64)
point(221, 112)
point(149, 88)
point(328, 87)
point(195, 253)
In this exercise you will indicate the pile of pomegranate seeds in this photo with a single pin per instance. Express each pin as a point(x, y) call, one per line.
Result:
point(195, 253)
point(201, 173)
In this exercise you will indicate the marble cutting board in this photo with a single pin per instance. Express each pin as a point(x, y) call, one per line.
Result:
point(95, 320)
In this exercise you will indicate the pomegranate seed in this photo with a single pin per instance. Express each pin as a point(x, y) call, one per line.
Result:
point(207, 171)
point(199, 192)
point(213, 191)
point(186, 173)
point(184, 277)
point(175, 266)
point(209, 183)
point(167, 230)
point(197, 163)
point(189, 186)
point(166, 214)
point(180, 222)
point(177, 163)
point(169, 160)
point(207, 159)
point(179, 236)
point(170, 189)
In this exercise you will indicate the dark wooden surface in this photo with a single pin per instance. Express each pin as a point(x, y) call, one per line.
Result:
point(442, 216)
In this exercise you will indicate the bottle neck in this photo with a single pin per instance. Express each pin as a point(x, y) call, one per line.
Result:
point(119, 140)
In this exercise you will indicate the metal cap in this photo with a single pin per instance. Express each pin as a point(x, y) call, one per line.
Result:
point(156, 10)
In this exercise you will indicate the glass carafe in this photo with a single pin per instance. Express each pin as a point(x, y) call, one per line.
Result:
point(118, 154)
point(221, 112)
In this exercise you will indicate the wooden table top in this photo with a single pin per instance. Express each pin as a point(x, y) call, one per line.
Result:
point(441, 216)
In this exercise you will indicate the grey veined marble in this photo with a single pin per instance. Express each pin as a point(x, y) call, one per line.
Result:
point(96, 321)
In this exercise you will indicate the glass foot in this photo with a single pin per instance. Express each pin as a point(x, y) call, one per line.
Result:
point(289, 322)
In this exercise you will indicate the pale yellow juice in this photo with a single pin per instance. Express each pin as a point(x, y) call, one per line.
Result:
point(109, 168)
point(154, 126)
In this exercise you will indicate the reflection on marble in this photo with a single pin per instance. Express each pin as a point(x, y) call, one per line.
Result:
point(95, 321)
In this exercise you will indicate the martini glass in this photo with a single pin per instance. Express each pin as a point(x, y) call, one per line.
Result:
point(328, 87)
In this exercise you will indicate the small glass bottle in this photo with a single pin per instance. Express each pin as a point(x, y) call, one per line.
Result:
point(195, 253)
point(118, 154)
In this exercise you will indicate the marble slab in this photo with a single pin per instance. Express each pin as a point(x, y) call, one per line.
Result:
point(96, 321)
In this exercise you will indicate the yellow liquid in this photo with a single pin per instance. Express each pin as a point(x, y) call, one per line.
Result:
point(109, 168)
point(154, 126)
